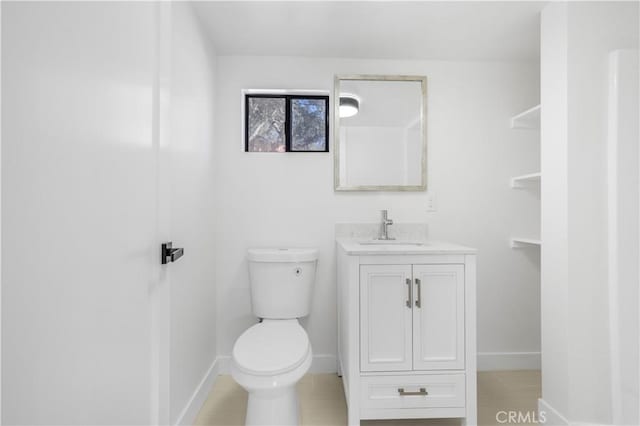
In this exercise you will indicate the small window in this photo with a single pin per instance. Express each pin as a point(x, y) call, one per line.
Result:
point(286, 123)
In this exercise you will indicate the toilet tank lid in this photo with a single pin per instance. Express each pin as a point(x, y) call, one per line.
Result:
point(283, 254)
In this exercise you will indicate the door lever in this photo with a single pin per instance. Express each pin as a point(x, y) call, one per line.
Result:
point(170, 254)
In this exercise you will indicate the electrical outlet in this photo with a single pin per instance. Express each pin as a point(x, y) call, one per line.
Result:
point(431, 202)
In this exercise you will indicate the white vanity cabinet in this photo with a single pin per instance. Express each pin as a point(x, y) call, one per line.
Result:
point(406, 318)
point(411, 317)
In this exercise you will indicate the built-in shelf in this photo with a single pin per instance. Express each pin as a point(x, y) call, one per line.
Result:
point(529, 119)
point(525, 242)
point(525, 180)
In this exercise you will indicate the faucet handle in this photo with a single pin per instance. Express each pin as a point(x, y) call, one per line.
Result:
point(385, 217)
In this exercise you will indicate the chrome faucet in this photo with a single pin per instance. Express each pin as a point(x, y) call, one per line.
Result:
point(384, 232)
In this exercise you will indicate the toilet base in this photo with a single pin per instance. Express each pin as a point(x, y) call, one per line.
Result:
point(273, 400)
point(273, 408)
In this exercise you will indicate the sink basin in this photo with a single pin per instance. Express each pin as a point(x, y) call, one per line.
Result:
point(391, 243)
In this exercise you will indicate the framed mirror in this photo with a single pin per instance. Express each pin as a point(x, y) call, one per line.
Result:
point(380, 136)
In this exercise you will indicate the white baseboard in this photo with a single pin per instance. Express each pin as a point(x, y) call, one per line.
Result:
point(494, 361)
point(224, 363)
point(487, 361)
point(191, 410)
point(324, 363)
point(550, 415)
point(321, 363)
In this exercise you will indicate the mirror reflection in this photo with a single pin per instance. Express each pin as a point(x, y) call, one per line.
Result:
point(380, 143)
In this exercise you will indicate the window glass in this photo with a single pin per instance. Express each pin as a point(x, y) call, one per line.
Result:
point(308, 124)
point(266, 124)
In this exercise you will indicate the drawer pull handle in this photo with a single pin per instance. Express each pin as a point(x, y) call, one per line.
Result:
point(422, 391)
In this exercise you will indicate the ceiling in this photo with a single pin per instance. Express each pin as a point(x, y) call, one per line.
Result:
point(454, 30)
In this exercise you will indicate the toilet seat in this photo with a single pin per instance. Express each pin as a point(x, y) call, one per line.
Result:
point(271, 347)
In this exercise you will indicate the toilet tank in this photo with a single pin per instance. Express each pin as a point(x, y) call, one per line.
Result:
point(282, 281)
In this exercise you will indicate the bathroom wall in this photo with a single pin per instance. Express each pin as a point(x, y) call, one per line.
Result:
point(576, 369)
point(554, 211)
point(288, 199)
point(191, 154)
point(623, 220)
point(589, 366)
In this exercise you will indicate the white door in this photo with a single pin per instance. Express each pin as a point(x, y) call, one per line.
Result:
point(79, 203)
point(438, 317)
point(385, 317)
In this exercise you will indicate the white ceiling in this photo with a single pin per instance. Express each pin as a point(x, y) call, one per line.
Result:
point(475, 30)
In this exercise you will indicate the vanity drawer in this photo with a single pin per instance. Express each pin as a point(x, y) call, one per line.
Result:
point(415, 391)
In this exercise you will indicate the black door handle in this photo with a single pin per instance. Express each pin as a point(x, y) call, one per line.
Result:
point(170, 254)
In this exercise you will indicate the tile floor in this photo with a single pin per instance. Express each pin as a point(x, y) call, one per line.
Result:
point(322, 400)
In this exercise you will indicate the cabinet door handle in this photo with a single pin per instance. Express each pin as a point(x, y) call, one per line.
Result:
point(408, 302)
point(419, 298)
point(422, 391)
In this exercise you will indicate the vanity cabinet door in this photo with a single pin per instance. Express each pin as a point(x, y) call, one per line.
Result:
point(385, 318)
point(438, 317)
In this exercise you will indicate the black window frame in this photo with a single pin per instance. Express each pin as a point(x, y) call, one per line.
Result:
point(287, 118)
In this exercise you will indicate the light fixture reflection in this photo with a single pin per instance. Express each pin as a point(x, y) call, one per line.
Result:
point(349, 106)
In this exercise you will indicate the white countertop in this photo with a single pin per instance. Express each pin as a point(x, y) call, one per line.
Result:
point(353, 247)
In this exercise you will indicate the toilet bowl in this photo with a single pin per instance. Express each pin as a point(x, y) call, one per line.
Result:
point(270, 357)
point(268, 361)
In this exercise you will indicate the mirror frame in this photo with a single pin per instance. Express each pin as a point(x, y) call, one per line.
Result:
point(336, 132)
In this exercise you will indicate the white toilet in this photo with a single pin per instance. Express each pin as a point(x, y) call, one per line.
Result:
point(270, 357)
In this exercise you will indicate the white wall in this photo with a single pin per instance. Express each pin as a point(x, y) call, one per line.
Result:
point(623, 220)
point(191, 156)
point(288, 199)
point(78, 218)
point(576, 368)
point(554, 208)
point(617, 25)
